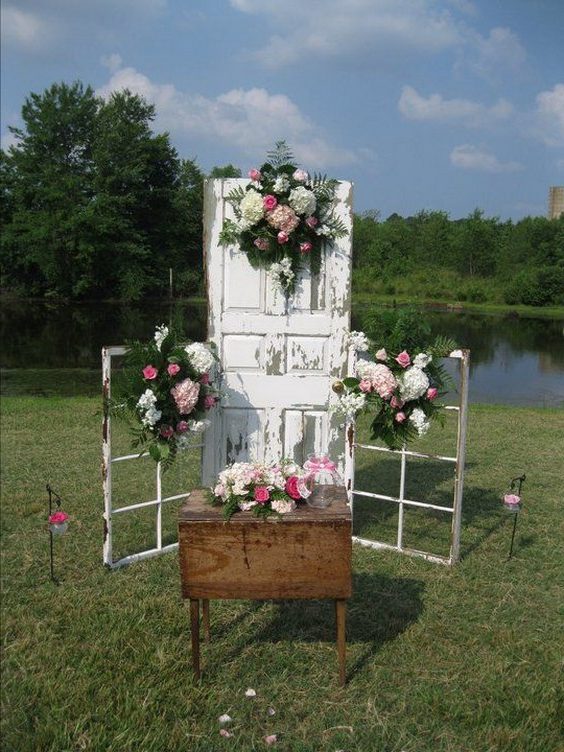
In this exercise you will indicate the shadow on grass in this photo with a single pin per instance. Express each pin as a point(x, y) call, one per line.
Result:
point(381, 608)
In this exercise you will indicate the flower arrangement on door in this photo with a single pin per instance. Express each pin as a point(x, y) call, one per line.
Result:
point(284, 218)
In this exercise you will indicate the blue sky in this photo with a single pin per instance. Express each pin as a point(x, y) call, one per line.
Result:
point(423, 104)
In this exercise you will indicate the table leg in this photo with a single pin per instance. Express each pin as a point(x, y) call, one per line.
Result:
point(195, 634)
point(341, 613)
point(206, 618)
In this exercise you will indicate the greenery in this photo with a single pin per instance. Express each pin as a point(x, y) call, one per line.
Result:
point(439, 659)
point(475, 260)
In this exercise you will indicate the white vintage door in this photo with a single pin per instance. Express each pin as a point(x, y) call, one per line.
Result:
point(278, 358)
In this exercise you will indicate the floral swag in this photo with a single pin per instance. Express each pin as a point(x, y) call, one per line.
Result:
point(283, 218)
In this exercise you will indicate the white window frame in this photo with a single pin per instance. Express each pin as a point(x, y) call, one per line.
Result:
point(107, 463)
point(463, 358)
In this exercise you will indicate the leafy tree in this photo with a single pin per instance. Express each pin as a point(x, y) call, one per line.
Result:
point(227, 171)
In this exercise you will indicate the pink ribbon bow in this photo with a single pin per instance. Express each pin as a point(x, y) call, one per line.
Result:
point(320, 463)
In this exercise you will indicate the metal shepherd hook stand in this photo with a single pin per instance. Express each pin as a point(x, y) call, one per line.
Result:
point(54, 528)
point(515, 486)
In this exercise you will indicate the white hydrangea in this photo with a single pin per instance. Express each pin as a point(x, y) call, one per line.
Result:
point(419, 420)
point(350, 404)
point(302, 200)
point(283, 506)
point(358, 341)
point(243, 224)
point(413, 384)
point(160, 333)
point(151, 417)
point(200, 357)
point(282, 273)
point(244, 506)
point(147, 399)
point(281, 184)
point(422, 360)
point(251, 206)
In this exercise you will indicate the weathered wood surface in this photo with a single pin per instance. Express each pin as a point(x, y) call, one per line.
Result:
point(278, 357)
point(305, 554)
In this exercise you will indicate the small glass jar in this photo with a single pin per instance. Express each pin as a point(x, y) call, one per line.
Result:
point(58, 528)
point(324, 476)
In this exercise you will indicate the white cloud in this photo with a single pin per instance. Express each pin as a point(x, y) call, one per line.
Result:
point(549, 116)
point(250, 120)
point(333, 29)
point(113, 62)
point(469, 157)
point(24, 29)
point(493, 55)
point(463, 111)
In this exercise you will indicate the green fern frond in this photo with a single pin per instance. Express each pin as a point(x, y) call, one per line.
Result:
point(281, 155)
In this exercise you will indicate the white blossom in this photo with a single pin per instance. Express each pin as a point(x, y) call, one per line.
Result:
point(200, 357)
point(350, 404)
point(413, 383)
point(147, 399)
point(300, 175)
point(302, 200)
point(281, 184)
point(251, 206)
point(419, 420)
point(151, 417)
point(160, 333)
point(422, 360)
point(198, 426)
point(358, 341)
point(283, 506)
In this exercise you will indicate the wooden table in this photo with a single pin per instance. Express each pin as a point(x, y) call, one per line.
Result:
point(303, 555)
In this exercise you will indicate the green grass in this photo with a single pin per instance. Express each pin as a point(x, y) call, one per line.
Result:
point(439, 659)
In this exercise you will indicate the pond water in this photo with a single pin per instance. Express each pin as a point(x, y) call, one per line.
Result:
point(513, 360)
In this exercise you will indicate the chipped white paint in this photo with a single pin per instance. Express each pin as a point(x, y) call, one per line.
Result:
point(463, 356)
point(278, 357)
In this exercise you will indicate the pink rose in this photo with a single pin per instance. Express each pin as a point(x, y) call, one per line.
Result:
point(396, 403)
point(300, 176)
point(311, 222)
point(261, 244)
point(173, 369)
point(57, 518)
point(282, 237)
point(511, 499)
point(432, 393)
point(262, 494)
point(205, 378)
point(399, 417)
point(403, 359)
point(209, 402)
point(292, 487)
point(255, 175)
point(305, 247)
point(269, 202)
point(365, 385)
point(381, 354)
point(182, 426)
point(150, 373)
point(166, 431)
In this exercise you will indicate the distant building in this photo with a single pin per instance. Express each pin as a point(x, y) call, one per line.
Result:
point(555, 201)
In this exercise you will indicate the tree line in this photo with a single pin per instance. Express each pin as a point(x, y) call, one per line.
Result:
point(95, 205)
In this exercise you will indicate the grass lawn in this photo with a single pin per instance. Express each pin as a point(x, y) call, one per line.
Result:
point(458, 660)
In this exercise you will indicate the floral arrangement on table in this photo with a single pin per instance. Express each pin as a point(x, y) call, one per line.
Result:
point(283, 218)
point(263, 489)
point(168, 389)
point(401, 387)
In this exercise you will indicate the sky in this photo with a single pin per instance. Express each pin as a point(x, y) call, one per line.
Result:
point(423, 104)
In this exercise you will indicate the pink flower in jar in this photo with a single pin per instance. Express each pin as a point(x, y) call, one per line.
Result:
point(305, 247)
point(270, 202)
point(57, 518)
point(399, 417)
point(182, 426)
point(365, 385)
point(311, 222)
point(511, 499)
point(403, 359)
point(173, 369)
point(396, 402)
point(209, 401)
point(166, 431)
point(150, 372)
point(262, 494)
point(261, 244)
point(432, 393)
point(282, 237)
point(255, 175)
point(185, 394)
point(292, 487)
